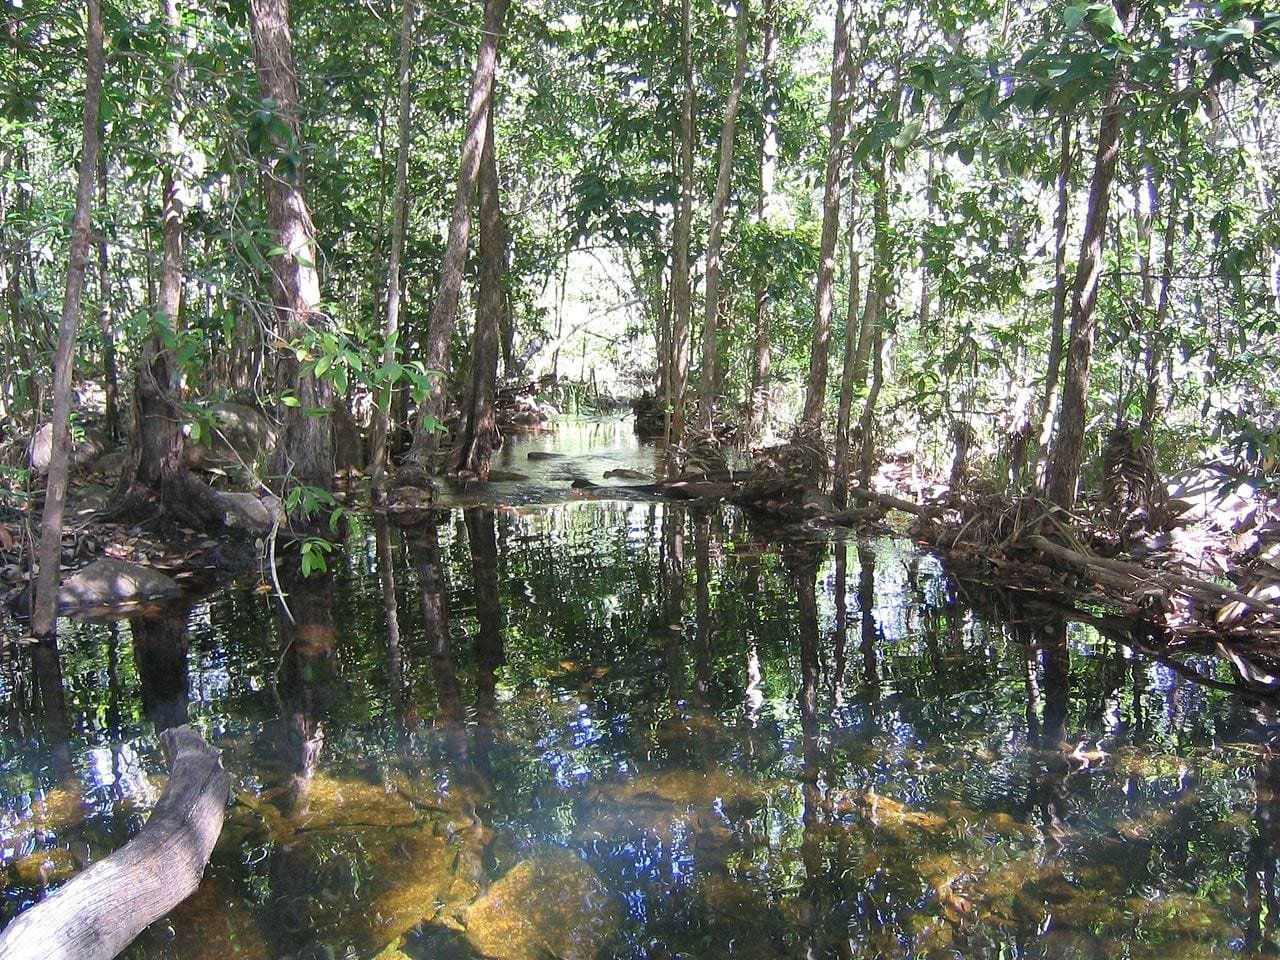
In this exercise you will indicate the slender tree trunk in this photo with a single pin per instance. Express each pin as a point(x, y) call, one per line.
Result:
point(1156, 343)
point(719, 203)
point(925, 322)
point(44, 613)
point(852, 337)
point(866, 423)
point(306, 452)
point(391, 322)
point(159, 435)
point(758, 400)
point(878, 285)
point(506, 319)
point(1067, 453)
point(106, 314)
point(681, 295)
point(1053, 365)
point(480, 435)
point(444, 314)
point(837, 116)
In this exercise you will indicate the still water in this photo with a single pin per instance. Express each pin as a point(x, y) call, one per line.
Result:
point(637, 730)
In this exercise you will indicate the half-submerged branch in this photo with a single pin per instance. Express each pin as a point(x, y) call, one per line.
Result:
point(101, 911)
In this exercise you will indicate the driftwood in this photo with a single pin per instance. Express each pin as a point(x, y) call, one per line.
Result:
point(100, 912)
point(1128, 575)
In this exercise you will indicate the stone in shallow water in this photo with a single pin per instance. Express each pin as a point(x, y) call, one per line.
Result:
point(109, 582)
point(551, 905)
point(46, 867)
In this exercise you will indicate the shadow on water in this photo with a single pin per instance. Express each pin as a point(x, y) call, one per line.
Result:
point(635, 730)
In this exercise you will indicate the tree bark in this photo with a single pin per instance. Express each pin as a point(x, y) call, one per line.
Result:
point(156, 440)
point(480, 435)
point(681, 295)
point(758, 398)
point(1053, 365)
point(840, 478)
point(866, 423)
point(100, 912)
point(305, 454)
point(106, 315)
point(444, 313)
point(1067, 453)
point(45, 608)
point(391, 322)
point(837, 117)
point(715, 241)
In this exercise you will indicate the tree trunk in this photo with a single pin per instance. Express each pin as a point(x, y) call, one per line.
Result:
point(878, 285)
point(480, 435)
point(866, 424)
point(106, 316)
point(1155, 347)
point(305, 453)
point(1068, 445)
point(852, 337)
point(156, 440)
point(391, 322)
point(1053, 366)
point(99, 912)
point(715, 242)
point(444, 314)
point(758, 399)
point(45, 608)
point(837, 116)
point(681, 295)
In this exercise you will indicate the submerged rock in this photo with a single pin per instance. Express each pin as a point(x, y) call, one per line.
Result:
point(551, 905)
point(109, 582)
point(46, 867)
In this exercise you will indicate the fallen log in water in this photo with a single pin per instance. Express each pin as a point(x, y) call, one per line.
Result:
point(1129, 575)
point(100, 912)
point(922, 510)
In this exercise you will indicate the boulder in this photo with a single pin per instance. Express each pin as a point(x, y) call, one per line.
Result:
point(241, 439)
point(552, 905)
point(89, 446)
point(244, 511)
point(109, 582)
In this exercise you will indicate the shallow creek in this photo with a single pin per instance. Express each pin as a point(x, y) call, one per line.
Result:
point(626, 729)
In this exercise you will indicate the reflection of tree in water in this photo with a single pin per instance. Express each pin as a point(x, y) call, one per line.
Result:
point(160, 648)
point(50, 706)
point(801, 562)
point(488, 646)
point(1049, 687)
point(671, 628)
point(869, 630)
point(1261, 892)
point(395, 661)
point(304, 682)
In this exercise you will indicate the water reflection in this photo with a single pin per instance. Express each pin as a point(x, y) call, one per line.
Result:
point(651, 732)
point(160, 646)
point(305, 681)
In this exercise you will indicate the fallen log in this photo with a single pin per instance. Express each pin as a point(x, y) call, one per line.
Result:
point(1127, 575)
point(101, 911)
point(924, 511)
